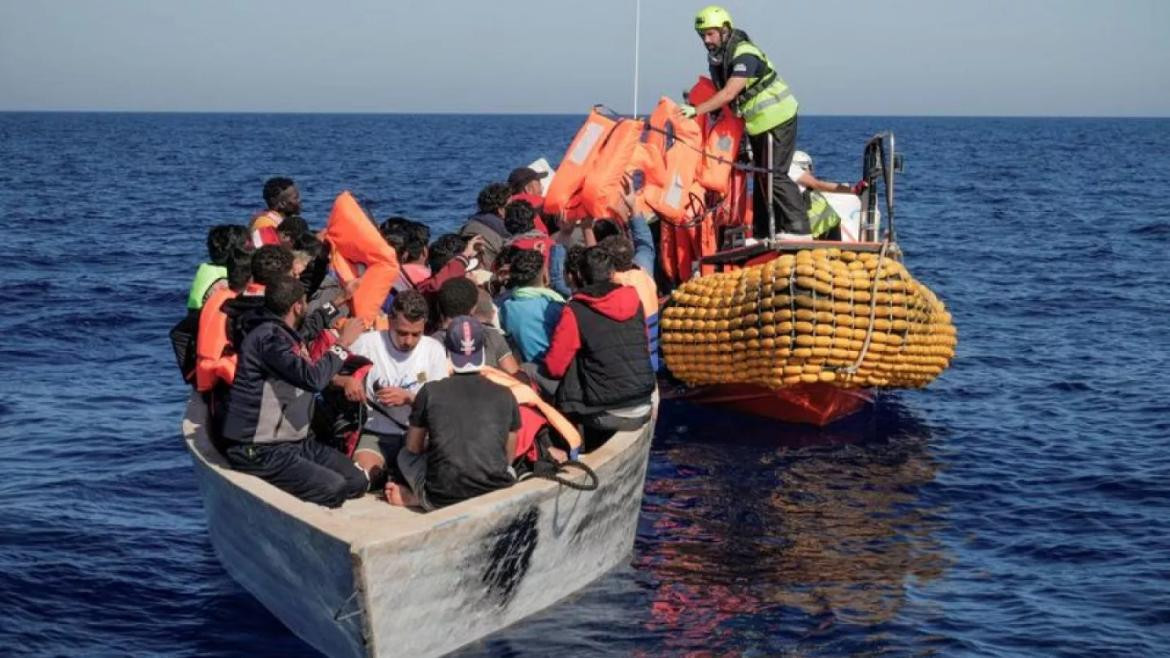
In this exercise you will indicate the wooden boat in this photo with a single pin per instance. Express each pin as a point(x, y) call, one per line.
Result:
point(369, 579)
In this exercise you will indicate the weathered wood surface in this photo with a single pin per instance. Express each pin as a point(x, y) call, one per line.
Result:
point(372, 579)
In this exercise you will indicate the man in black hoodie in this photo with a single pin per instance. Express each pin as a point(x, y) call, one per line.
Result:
point(270, 404)
point(489, 221)
point(600, 353)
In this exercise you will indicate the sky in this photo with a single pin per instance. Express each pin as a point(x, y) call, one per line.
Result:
point(858, 57)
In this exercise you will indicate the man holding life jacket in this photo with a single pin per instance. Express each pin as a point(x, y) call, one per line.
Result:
point(747, 79)
point(283, 200)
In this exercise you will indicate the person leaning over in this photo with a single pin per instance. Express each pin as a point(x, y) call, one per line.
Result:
point(463, 430)
point(270, 404)
point(747, 79)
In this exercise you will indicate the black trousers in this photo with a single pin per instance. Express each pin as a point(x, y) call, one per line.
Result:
point(306, 469)
point(791, 216)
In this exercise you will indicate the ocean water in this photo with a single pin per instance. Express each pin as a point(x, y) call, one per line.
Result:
point(1020, 505)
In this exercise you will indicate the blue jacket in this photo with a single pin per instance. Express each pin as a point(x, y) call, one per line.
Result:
point(528, 316)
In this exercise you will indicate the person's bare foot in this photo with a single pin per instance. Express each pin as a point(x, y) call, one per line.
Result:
point(400, 496)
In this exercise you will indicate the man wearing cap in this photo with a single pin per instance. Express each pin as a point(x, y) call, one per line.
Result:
point(748, 81)
point(462, 433)
point(526, 186)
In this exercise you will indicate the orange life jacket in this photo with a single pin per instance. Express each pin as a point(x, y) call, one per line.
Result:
point(578, 160)
point(720, 142)
point(682, 154)
point(527, 397)
point(215, 360)
point(355, 243)
point(603, 182)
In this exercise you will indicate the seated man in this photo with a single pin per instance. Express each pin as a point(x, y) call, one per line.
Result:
point(270, 404)
point(489, 221)
point(461, 297)
point(462, 434)
point(403, 360)
point(283, 200)
point(529, 309)
point(600, 353)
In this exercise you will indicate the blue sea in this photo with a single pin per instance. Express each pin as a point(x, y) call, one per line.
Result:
point(1020, 505)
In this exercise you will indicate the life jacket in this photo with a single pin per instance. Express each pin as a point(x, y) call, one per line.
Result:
point(821, 216)
point(356, 243)
point(766, 101)
point(643, 282)
point(603, 182)
point(205, 277)
point(215, 359)
point(682, 148)
point(721, 139)
point(578, 160)
point(529, 399)
point(263, 228)
point(536, 240)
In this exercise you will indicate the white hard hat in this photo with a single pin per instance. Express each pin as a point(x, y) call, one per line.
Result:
point(802, 160)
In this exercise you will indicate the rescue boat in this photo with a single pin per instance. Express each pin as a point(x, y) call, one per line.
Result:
point(786, 327)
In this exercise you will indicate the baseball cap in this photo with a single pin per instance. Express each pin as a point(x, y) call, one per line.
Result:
point(521, 176)
point(464, 341)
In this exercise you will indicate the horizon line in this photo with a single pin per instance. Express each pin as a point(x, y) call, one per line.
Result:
point(557, 114)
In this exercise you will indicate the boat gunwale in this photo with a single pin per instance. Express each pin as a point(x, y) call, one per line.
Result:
point(386, 523)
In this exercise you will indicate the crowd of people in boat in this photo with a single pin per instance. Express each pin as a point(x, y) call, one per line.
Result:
point(514, 341)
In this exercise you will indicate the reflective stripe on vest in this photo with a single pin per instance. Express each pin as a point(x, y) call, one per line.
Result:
point(821, 216)
point(767, 105)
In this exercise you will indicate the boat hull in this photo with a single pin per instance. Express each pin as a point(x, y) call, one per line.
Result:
point(369, 579)
point(811, 404)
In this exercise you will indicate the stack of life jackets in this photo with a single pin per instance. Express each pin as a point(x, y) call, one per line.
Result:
point(682, 171)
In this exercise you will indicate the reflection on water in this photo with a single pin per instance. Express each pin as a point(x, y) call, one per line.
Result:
point(743, 516)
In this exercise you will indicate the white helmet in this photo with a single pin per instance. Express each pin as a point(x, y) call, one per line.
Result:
point(802, 160)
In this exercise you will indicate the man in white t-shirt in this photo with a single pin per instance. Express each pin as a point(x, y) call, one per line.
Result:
point(404, 359)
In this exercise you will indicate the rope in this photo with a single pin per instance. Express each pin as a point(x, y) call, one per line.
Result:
point(338, 617)
point(872, 310)
point(552, 471)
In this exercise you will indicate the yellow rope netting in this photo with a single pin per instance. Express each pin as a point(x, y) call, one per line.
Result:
point(852, 319)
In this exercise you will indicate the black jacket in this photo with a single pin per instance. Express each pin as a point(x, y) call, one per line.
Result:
point(601, 351)
point(271, 400)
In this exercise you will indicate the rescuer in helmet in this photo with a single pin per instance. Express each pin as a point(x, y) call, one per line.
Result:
point(748, 81)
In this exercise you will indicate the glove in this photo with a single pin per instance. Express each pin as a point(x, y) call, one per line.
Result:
point(859, 187)
point(688, 111)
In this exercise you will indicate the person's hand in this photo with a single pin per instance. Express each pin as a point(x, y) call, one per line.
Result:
point(859, 187)
point(688, 110)
point(474, 246)
point(350, 332)
point(394, 396)
point(354, 390)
